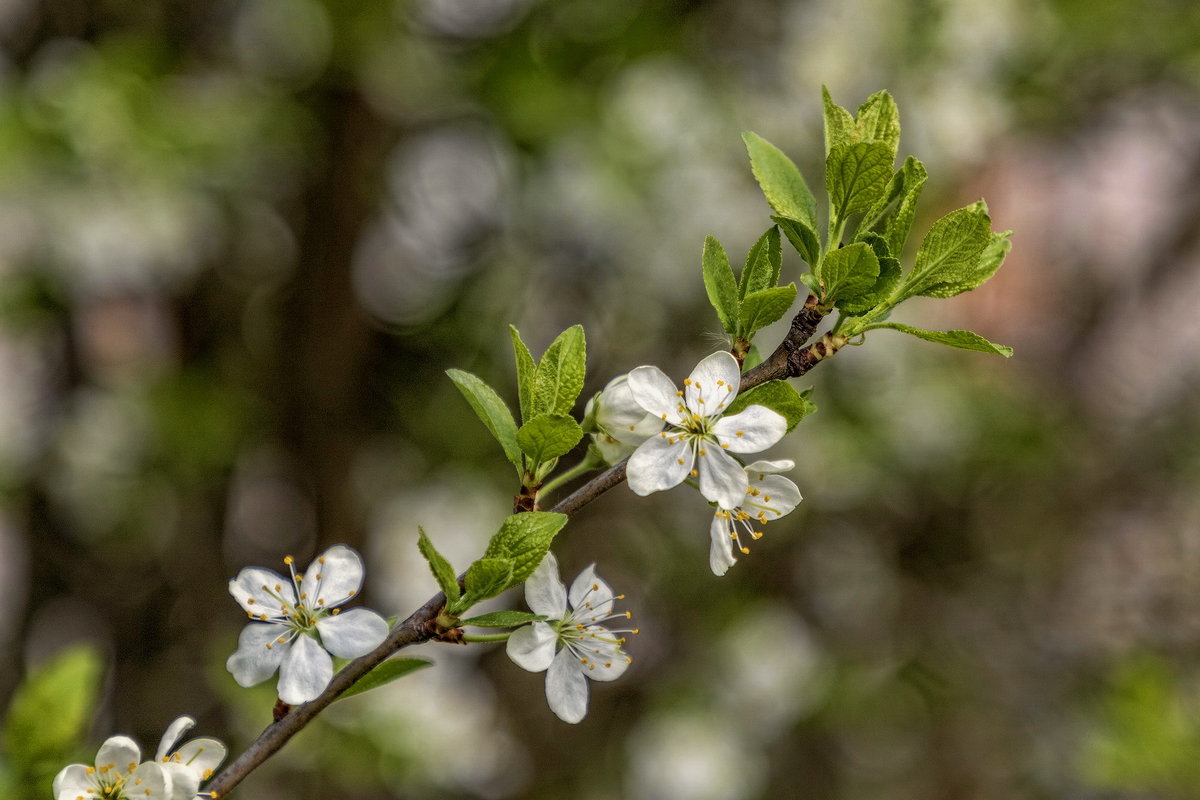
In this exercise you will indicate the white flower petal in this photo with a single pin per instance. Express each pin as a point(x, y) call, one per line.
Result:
point(655, 392)
point(712, 385)
point(333, 577)
point(544, 592)
point(305, 672)
point(769, 467)
point(566, 690)
point(720, 552)
point(722, 479)
point(606, 660)
point(591, 598)
point(777, 496)
point(352, 633)
point(659, 463)
point(174, 732)
point(611, 450)
point(184, 782)
point(622, 417)
point(72, 781)
point(202, 756)
point(118, 752)
point(153, 783)
point(258, 591)
point(253, 662)
point(751, 430)
point(532, 647)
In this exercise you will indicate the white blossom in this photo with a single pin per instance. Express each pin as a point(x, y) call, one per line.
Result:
point(571, 644)
point(190, 764)
point(769, 496)
point(622, 422)
point(119, 774)
point(297, 624)
point(698, 434)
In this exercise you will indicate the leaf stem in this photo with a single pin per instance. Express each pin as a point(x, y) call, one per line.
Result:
point(486, 637)
point(585, 466)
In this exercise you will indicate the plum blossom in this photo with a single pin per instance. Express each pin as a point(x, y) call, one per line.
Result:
point(769, 496)
point(297, 624)
point(698, 431)
point(622, 422)
point(119, 774)
point(190, 764)
point(571, 644)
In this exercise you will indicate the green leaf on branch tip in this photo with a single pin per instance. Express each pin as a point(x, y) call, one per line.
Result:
point(763, 264)
point(548, 436)
point(560, 372)
point(486, 578)
point(803, 238)
point(896, 230)
point(443, 573)
point(839, 124)
point(780, 397)
point(885, 284)
point(526, 373)
point(964, 340)
point(502, 619)
point(763, 307)
point(524, 540)
point(780, 180)
point(951, 251)
point(855, 176)
point(385, 673)
point(719, 284)
point(491, 410)
point(848, 272)
point(989, 261)
point(878, 120)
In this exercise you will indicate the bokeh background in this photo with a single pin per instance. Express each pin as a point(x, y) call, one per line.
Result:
point(240, 242)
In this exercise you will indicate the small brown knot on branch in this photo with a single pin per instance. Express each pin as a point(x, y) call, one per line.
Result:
point(280, 710)
point(442, 628)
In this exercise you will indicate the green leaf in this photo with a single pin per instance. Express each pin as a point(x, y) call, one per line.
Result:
point(780, 180)
point(803, 238)
point(989, 261)
point(526, 373)
point(878, 120)
point(839, 125)
point(951, 251)
point(913, 176)
point(763, 307)
point(763, 264)
point(559, 378)
point(548, 436)
point(502, 619)
point(443, 573)
point(849, 272)
point(49, 714)
point(885, 284)
point(780, 397)
point(720, 284)
point(491, 410)
point(964, 340)
point(385, 673)
point(486, 578)
point(856, 175)
point(524, 540)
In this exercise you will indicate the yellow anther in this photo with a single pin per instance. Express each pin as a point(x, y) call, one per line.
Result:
point(631, 427)
point(288, 560)
point(262, 617)
point(619, 597)
point(278, 588)
point(703, 452)
point(629, 659)
point(281, 639)
point(693, 473)
point(700, 400)
point(687, 382)
point(745, 550)
point(756, 535)
point(304, 595)
point(320, 576)
point(628, 615)
point(250, 601)
point(90, 770)
point(636, 631)
point(680, 460)
point(608, 665)
point(352, 593)
point(740, 433)
point(724, 447)
point(270, 646)
point(766, 498)
point(321, 560)
point(720, 383)
point(754, 491)
point(679, 393)
point(132, 766)
point(732, 535)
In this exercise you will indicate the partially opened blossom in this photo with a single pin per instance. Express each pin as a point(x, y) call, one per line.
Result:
point(698, 434)
point(119, 774)
point(571, 644)
point(622, 422)
point(297, 624)
point(769, 496)
point(191, 763)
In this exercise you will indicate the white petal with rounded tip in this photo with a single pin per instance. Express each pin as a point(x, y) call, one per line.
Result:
point(591, 598)
point(184, 782)
point(153, 783)
point(759, 428)
point(174, 732)
point(73, 781)
point(720, 551)
point(566, 690)
point(722, 479)
point(769, 467)
point(253, 662)
point(532, 647)
point(333, 577)
point(606, 661)
point(352, 633)
point(544, 592)
point(259, 590)
point(118, 752)
point(305, 672)
point(659, 464)
point(622, 417)
point(202, 756)
point(655, 392)
point(777, 496)
point(714, 381)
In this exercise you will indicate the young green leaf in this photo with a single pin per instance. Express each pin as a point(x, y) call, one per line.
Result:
point(763, 264)
point(385, 673)
point(989, 261)
point(443, 573)
point(803, 239)
point(526, 373)
point(848, 272)
point(720, 284)
point(763, 307)
point(548, 436)
point(780, 180)
point(524, 540)
point(885, 284)
point(855, 176)
point(780, 397)
point(839, 125)
point(964, 340)
point(486, 578)
point(878, 120)
point(491, 410)
point(913, 176)
point(502, 619)
point(559, 378)
point(951, 250)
